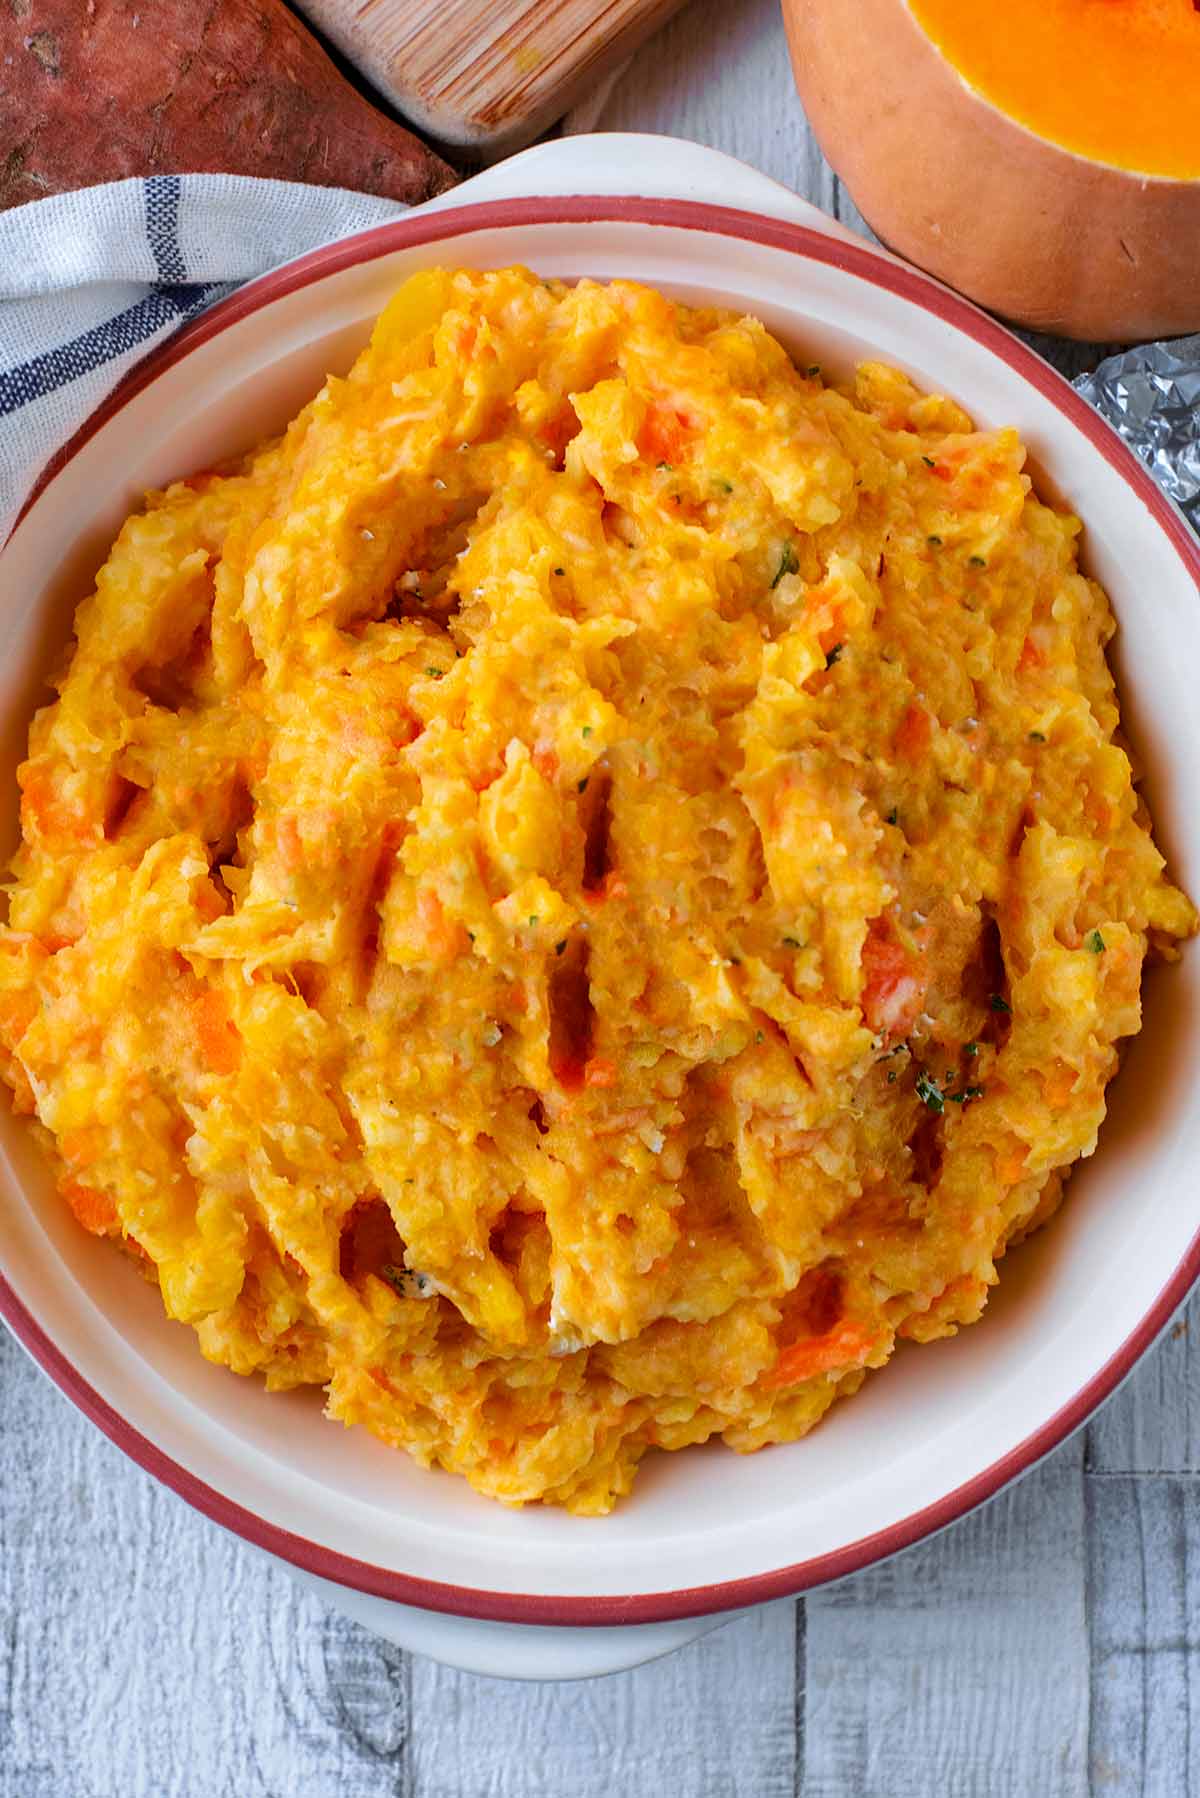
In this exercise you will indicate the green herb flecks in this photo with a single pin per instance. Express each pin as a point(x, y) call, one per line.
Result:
point(1095, 942)
point(929, 1092)
point(997, 1002)
point(788, 564)
point(970, 1049)
point(404, 1283)
point(435, 673)
point(835, 655)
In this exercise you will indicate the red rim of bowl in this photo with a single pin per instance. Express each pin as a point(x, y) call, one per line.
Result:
point(908, 284)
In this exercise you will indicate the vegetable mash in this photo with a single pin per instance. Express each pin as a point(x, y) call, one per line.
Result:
point(585, 892)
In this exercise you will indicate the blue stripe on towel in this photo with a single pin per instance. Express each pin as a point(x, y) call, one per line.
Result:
point(162, 308)
point(162, 226)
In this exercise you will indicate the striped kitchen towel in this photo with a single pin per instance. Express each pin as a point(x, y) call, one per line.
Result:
point(90, 281)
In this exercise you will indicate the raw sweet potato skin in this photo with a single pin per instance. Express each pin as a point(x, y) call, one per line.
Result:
point(93, 90)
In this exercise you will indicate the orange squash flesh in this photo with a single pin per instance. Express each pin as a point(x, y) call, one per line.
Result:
point(1118, 81)
point(1041, 156)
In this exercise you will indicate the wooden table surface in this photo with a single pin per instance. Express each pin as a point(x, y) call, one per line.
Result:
point(1047, 1646)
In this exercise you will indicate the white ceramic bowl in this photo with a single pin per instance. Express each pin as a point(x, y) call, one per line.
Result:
point(940, 1429)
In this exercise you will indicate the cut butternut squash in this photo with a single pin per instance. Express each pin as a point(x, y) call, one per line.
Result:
point(1042, 157)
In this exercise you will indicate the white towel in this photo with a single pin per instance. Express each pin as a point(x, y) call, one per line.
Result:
point(90, 281)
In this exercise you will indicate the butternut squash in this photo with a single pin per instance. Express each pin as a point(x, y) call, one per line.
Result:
point(1042, 156)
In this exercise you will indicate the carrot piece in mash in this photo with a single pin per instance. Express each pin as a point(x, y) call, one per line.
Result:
point(915, 732)
point(444, 936)
point(45, 810)
point(17, 1012)
point(220, 1044)
point(846, 1346)
point(895, 982)
point(93, 1209)
point(665, 433)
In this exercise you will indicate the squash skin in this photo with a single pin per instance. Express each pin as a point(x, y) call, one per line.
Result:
point(1030, 230)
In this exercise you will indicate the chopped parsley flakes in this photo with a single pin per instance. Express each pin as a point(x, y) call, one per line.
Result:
point(787, 565)
point(1095, 942)
point(997, 1002)
point(835, 655)
point(933, 1093)
point(929, 1092)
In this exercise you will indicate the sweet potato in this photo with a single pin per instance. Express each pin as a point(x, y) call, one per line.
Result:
point(97, 89)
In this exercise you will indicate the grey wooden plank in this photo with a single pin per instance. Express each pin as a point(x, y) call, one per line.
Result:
point(961, 1668)
point(1144, 1557)
point(143, 1651)
point(719, 74)
point(1152, 1425)
point(718, 1718)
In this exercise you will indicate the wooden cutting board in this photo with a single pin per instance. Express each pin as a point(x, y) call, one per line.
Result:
point(485, 75)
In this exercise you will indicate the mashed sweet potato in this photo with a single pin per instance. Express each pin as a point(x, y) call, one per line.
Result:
point(586, 891)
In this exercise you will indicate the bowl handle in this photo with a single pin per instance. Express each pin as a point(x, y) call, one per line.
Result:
point(512, 1650)
point(641, 164)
